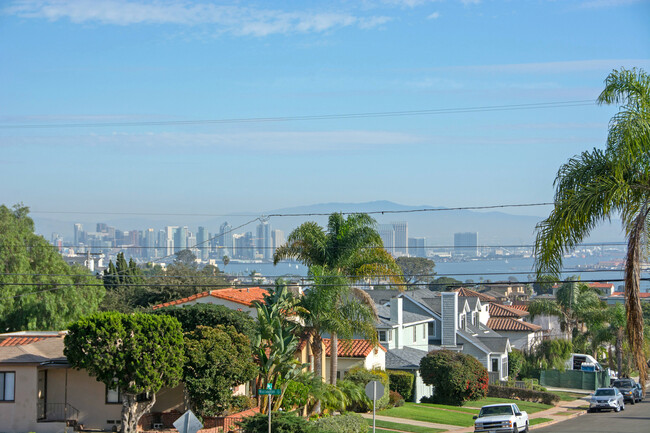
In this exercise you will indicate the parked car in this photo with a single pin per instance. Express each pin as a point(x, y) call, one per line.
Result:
point(629, 389)
point(501, 418)
point(640, 389)
point(607, 399)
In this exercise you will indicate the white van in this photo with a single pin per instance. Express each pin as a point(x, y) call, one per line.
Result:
point(580, 361)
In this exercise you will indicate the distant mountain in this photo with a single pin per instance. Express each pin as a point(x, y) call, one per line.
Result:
point(494, 228)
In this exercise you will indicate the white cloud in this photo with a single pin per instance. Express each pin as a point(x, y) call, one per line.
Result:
point(228, 19)
point(434, 16)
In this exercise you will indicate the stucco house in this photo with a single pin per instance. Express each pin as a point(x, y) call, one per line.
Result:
point(41, 393)
point(235, 299)
point(510, 321)
point(354, 353)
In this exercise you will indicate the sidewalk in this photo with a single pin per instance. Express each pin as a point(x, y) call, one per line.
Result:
point(563, 411)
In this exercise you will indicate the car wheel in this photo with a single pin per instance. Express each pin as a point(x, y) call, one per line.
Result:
point(526, 428)
point(633, 400)
point(617, 408)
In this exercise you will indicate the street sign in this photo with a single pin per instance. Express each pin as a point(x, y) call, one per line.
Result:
point(188, 423)
point(374, 390)
point(270, 391)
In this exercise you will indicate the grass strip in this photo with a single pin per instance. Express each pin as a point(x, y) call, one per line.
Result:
point(536, 421)
point(522, 405)
point(471, 410)
point(430, 414)
point(568, 396)
point(403, 427)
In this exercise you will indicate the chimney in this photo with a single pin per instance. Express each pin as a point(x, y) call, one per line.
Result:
point(396, 315)
point(449, 307)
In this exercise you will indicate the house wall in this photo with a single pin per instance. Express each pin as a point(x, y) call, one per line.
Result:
point(519, 340)
point(375, 359)
point(421, 339)
point(20, 415)
point(470, 349)
point(420, 389)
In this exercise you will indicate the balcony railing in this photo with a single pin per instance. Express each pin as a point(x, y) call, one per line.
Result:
point(57, 412)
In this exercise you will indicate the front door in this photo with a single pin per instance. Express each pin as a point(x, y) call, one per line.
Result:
point(42, 394)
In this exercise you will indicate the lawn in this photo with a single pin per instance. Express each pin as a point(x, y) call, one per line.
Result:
point(535, 421)
point(427, 413)
point(522, 405)
point(402, 427)
point(568, 396)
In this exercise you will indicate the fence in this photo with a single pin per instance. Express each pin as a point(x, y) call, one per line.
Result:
point(574, 379)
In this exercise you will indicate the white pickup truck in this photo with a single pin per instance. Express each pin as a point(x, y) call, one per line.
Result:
point(501, 418)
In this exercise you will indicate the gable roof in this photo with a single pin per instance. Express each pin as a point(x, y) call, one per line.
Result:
point(522, 307)
point(351, 348)
point(406, 358)
point(244, 296)
point(511, 324)
point(498, 310)
point(473, 294)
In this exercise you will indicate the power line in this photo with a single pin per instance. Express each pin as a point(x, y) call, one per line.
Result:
point(360, 115)
point(62, 286)
point(283, 215)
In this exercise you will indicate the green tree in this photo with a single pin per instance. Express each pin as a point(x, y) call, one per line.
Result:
point(39, 289)
point(186, 258)
point(594, 186)
point(217, 360)
point(457, 377)
point(125, 285)
point(574, 304)
point(211, 315)
point(417, 269)
point(351, 246)
point(138, 353)
point(443, 284)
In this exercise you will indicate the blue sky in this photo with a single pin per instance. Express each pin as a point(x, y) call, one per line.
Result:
point(94, 62)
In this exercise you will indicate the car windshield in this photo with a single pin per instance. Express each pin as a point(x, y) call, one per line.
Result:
point(623, 384)
point(496, 410)
point(605, 392)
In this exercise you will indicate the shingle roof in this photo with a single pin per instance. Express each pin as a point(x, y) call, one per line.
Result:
point(498, 310)
point(471, 293)
point(511, 324)
point(244, 296)
point(405, 358)
point(351, 348)
point(46, 349)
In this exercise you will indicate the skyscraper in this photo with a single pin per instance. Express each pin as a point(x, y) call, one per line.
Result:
point(466, 244)
point(78, 234)
point(202, 238)
point(263, 241)
point(387, 234)
point(170, 231)
point(226, 240)
point(401, 236)
point(180, 239)
point(278, 239)
point(416, 247)
point(149, 243)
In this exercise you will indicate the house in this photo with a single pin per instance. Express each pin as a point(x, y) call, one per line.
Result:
point(509, 321)
point(619, 297)
point(235, 299)
point(413, 323)
point(354, 353)
point(41, 393)
point(506, 292)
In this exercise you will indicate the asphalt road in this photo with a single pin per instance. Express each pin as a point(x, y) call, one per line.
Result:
point(634, 419)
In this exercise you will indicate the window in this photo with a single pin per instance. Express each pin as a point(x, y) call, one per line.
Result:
point(382, 336)
point(7, 385)
point(113, 395)
point(432, 329)
point(495, 364)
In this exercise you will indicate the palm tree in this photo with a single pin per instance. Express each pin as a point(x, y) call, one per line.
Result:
point(350, 249)
point(594, 186)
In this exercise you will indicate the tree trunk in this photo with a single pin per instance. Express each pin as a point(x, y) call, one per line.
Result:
point(132, 411)
point(334, 357)
point(633, 309)
point(317, 351)
point(619, 351)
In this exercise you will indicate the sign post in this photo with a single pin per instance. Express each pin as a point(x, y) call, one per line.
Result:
point(374, 390)
point(270, 392)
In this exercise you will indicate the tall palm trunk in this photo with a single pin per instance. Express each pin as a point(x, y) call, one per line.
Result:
point(317, 353)
point(334, 357)
point(632, 301)
point(619, 351)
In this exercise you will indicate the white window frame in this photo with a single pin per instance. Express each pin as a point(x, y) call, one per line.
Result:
point(8, 387)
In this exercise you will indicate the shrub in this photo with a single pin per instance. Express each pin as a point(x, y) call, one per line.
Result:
point(347, 423)
point(402, 382)
point(281, 422)
point(457, 377)
point(522, 394)
point(395, 399)
point(240, 403)
point(515, 363)
point(361, 377)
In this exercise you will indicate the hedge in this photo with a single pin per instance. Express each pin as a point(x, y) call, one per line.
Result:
point(361, 376)
point(346, 423)
point(522, 394)
point(402, 382)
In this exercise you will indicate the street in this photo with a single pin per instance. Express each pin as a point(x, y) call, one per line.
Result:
point(634, 419)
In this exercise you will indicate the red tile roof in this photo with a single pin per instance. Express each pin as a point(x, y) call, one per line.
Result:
point(19, 341)
point(510, 324)
point(244, 296)
point(473, 294)
point(498, 310)
point(601, 285)
point(351, 348)
point(519, 307)
point(641, 295)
